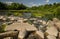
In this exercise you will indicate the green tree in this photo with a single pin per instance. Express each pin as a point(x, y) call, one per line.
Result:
point(17, 6)
point(2, 6)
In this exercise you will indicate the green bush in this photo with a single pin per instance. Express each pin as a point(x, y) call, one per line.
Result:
point(2, 28)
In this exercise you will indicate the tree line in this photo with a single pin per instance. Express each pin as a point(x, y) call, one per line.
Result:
point(18, 6)
point(13, 6)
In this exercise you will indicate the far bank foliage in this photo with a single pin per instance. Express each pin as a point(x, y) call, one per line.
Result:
point(48, 11)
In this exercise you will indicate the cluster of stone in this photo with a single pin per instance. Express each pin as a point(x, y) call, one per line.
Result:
point(52, 30)
point(49, 30)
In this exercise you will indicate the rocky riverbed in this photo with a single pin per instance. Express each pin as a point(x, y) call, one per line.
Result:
point(39, 29)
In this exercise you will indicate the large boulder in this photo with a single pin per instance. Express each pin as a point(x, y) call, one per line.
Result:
point(50, 23)
point(40, 34)
point(7, 38)
point(55, 20)
point(52, 31)
point(36, 35)
point(51, 37)
point(22, 34)
point(59, 35)
point(56, 23)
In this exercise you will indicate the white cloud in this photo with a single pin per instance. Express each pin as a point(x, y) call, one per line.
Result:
point(34, 4)
point(47, 0)
point(9, 3)
point(39, 4)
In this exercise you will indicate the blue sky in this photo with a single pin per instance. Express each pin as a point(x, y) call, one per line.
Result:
point(31, 2)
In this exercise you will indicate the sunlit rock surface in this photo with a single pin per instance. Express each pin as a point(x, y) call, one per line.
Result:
point(51, 37)
point(52, 31)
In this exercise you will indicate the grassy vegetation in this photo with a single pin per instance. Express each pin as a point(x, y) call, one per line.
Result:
point(2, 28)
